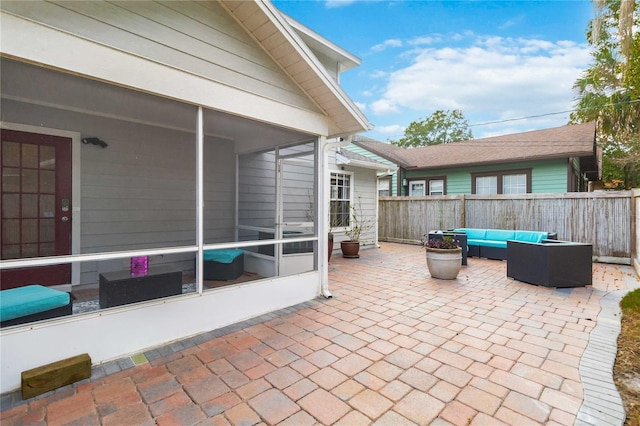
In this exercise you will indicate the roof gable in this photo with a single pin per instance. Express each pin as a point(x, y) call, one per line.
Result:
point(271, 29)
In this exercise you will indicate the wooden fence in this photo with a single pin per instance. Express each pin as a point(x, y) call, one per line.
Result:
point(606, 220)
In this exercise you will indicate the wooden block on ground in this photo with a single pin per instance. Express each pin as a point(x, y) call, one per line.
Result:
point(55, 375)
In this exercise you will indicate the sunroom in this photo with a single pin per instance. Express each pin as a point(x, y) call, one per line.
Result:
point(122, 169)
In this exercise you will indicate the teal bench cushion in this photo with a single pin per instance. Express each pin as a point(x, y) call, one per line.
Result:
point(530, 236)
point(31, 299)
point(493, 243)
point(222, 256)
point(500, 235)
point(473, 233)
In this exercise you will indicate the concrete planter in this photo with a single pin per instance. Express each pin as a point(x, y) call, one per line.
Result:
point(444, 264)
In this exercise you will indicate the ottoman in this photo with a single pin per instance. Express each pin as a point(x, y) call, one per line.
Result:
point(32, 303)
point(223, 265)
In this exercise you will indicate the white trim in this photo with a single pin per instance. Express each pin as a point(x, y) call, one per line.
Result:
point(303, 50)
point(200, 200)
point(76, 182)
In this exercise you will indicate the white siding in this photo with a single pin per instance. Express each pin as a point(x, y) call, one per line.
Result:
point(199, 37)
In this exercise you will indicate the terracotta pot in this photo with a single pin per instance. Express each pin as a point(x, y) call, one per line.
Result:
point(444, 264)
point(350, 249)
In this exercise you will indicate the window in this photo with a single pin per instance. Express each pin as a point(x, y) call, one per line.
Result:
point(428, 186)
point(507, 182)
point(486, 185)
point(384, 187)
point(340, 202)
point(436, 187)
point(514, 184)
point(417, 187)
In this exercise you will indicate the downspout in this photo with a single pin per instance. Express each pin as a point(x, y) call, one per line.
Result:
point(323, 211)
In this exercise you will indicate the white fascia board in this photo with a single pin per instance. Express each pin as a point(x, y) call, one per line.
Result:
point(328, 48)
point(341, 159)
point(33, 42)
point(289, 33)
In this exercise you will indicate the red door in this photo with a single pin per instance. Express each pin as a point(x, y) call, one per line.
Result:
point(36, 205)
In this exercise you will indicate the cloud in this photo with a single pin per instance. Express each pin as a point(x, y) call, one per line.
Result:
point(383, 106)
point(489, 77)
point(386, 44)
point(392, 130)
point(332, 4)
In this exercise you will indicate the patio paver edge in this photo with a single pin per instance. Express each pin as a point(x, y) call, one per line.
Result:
point(602, 404)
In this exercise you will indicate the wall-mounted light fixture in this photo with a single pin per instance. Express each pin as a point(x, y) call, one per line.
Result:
point(94, 141)
point(405, 182)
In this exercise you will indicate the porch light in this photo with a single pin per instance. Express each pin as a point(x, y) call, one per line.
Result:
point(94, 141)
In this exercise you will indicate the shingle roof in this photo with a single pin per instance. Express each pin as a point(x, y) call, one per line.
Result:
point(576, 140)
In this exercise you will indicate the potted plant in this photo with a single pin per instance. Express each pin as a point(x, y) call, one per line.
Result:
point(444, 257)
point(358, 224)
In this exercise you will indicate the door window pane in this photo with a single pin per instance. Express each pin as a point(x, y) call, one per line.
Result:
point(30, 156)
point(30, 205)
point(487, 185)
point(47, 181)
point(10, 206)
point(29, 180)
point(10, 179)
point(47, 157)
point(11, 154)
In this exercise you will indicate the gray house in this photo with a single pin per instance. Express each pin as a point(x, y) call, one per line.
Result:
point(163, 130)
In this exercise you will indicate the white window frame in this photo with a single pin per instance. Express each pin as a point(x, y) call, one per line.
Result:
point(333, 198)
point(441, 191)
point(417, 182)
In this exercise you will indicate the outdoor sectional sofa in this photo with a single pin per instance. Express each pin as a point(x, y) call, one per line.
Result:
point(492, 243)
point(550, 263)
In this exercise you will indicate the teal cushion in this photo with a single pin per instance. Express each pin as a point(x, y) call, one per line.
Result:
point(500, 234)
point(530, 236)
point(31, 299)
point(222, 256)
point(493, 243)
point(473, 233)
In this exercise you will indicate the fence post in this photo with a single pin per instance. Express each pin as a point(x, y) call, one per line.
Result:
point(463, 212)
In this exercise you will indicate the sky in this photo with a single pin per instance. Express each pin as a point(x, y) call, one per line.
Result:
point(494, 60)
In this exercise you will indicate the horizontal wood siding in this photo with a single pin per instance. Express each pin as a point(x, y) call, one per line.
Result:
point(549, 176)
point(139, 191)
point(198, 37)
point(602, 219)
point(257, 189)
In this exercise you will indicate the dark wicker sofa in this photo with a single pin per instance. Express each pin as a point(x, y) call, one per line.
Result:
point(550, 263)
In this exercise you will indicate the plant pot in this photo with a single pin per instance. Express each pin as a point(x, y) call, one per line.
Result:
point(350, 249)
point(330, 246)
point(444, 264)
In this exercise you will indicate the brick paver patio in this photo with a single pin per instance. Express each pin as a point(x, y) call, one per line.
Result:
point(392, 347)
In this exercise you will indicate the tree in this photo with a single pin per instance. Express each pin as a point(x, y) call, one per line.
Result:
point(440, 127)
point(609, 91)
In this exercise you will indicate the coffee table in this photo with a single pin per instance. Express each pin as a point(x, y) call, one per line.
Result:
point(120, 288)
